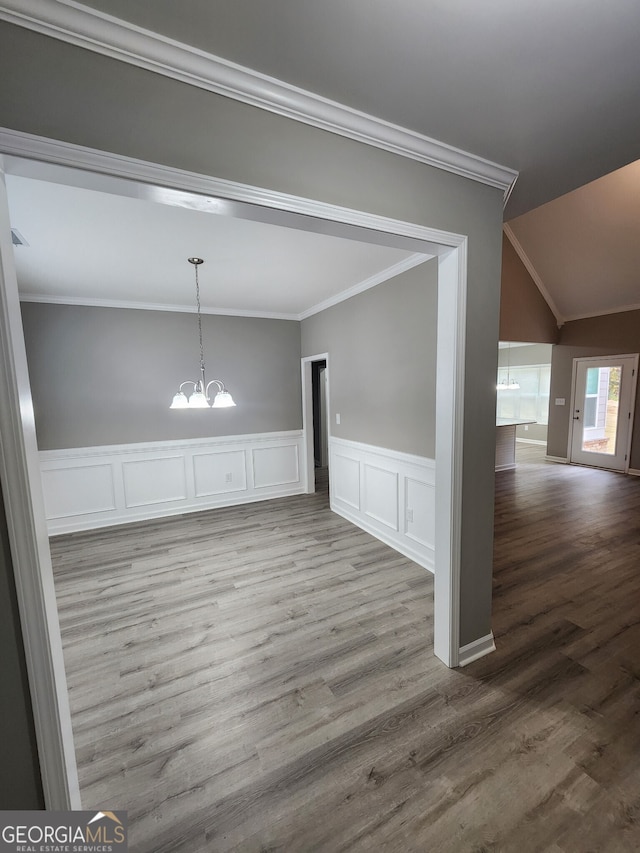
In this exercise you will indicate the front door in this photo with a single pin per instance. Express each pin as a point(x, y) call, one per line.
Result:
point(604, 390)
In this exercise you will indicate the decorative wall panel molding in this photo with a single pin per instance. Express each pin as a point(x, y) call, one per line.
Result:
point(79, 490)
point(387, 493)
point(93, 487)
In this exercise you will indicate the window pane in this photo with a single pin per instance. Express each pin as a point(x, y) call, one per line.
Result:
point(531, 400)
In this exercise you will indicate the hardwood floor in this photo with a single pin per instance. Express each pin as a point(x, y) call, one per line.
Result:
point(261, 678)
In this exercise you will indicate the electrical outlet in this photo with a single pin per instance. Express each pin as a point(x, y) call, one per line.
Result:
point(228, 477)
point(560, 401)
point(410, 516)
point(337, 418)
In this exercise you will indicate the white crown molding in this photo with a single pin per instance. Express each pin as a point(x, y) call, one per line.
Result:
point(150, 306)
point(533, 273)
point(93, 30)
point(378, 278)
point(602, 313)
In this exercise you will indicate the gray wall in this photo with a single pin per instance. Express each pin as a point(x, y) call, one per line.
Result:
point(610, 334)
point(108, 375)
point(382, 361)
point(70, 94)
point(524, 313)
point(20, 786)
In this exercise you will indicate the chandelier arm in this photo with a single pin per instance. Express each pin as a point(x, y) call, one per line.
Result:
point(187, 382)
point(214, 382)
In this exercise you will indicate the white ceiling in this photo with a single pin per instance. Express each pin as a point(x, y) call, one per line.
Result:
point(92, 247)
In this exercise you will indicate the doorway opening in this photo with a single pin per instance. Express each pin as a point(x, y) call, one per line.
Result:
point(315, 420)
point(320, 424)
point(19, 461)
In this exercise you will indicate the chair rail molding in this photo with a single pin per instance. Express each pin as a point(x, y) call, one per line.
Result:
point(124, 41)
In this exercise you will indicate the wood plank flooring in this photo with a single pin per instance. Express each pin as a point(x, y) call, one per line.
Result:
point(260, 678)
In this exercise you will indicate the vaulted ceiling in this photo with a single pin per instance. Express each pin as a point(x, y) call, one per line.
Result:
point(544, 88)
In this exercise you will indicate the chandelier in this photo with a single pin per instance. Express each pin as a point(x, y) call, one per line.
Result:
point(199, 397)
point(511, 384)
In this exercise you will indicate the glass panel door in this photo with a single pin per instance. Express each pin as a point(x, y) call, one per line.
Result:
point(602, 411)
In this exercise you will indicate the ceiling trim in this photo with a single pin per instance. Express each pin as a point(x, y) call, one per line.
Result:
point(602, 313)
point(151, 306)
point(93, 30)
point(378, 278)
point(533, 273)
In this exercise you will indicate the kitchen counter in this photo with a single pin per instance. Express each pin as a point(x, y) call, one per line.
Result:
point(506, 442)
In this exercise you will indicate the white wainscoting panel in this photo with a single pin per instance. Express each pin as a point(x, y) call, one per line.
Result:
point(420, 517)
point(217, 473)
point(154, 481)
point(275, 466)
point(93, 487)
point(345, 479)
point(74, 490)
point(381, 495)
point(387, 493)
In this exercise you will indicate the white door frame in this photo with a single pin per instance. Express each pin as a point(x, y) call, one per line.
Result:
point(309, 475)
point(19, 464)
point(598, 359)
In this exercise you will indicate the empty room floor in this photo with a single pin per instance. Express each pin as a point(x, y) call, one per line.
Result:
point(260, 678)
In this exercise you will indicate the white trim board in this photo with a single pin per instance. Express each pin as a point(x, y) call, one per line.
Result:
point(93, 30)
point(24, 509)
point(308, 461)
point(19, 462)
point(477, 649)
point(40, 158)
point(622, 309)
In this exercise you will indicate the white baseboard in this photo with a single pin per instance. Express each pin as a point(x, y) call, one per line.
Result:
point(635, 472)
point(87, 488)
point(562, 460)
point(477, 649)
point(388, 493)
point(415, 554)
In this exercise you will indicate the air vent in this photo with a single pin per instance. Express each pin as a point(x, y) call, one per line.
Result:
point(17, 239)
